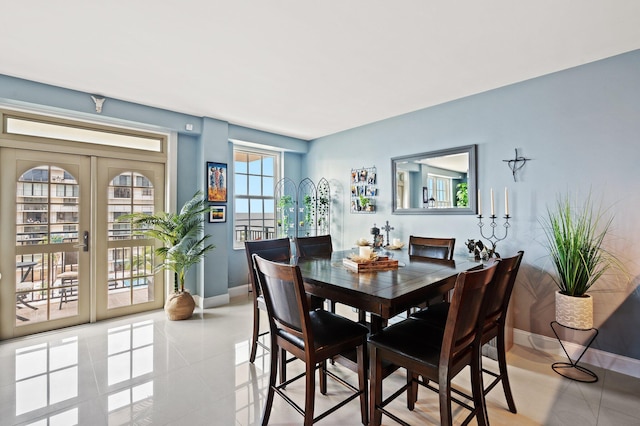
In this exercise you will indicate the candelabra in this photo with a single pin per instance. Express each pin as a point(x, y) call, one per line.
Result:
point(493, 238)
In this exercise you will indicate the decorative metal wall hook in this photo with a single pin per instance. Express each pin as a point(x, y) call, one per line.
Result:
point(516, 164)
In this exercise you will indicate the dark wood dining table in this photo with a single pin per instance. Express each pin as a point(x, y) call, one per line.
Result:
point(385, 293)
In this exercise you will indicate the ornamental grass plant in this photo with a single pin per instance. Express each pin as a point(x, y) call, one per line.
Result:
point(575, 236)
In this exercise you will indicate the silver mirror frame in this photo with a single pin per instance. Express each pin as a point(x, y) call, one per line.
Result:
point(472, 181)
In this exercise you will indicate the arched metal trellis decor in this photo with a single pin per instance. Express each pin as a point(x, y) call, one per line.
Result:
point(302, 210)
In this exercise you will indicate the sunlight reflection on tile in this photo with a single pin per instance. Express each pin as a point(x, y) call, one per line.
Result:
point(130, 351)
point(46, 374)
point(68, 417)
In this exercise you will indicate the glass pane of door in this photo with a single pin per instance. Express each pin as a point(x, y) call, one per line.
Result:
point(127, 281)
point(47, 216)
point(45, 209)
point(130, 259)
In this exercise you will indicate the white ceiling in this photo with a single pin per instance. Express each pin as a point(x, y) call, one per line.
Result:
point(301, 68)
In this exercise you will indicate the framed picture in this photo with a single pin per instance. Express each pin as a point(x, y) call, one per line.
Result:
point(216, 182)
point(218, 214)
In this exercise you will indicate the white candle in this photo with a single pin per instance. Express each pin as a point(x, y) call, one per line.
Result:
point(365, 251)
point(479, 204)
point(396, 242)
point(492, 204)
point(506, 202)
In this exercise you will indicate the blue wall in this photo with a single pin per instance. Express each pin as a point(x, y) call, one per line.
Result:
point(581, 129)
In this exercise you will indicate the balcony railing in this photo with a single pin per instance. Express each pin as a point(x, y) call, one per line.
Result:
point(252, 233)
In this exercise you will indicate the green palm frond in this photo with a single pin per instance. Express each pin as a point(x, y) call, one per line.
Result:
point(183, 244)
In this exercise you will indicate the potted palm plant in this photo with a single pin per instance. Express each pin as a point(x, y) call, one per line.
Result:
point(575, 236)
point(183, 245)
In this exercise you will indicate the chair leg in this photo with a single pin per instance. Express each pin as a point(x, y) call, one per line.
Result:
point(362, 381)
point(445, 402)
point(272, 383)
point(63, 297)
point(375, 387)
point(504, 377)
point(309, 393)
point(256, 332)
point(412, 390)
point(283, 365)
point(323, 377)
point(477, 390)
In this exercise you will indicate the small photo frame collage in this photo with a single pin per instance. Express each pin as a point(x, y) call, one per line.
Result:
point(216, 184)
point(364, 184)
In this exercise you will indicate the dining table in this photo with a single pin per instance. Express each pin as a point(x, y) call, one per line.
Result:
point(383, 293)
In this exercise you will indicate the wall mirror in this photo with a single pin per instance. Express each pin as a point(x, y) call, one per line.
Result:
point(436, 182)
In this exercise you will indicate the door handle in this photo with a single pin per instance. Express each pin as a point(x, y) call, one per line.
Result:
point(85, 242)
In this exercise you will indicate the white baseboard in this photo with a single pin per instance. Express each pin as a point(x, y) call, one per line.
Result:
point(212, 302)
point(223, 299)
point(241, 290)
point(597, 357)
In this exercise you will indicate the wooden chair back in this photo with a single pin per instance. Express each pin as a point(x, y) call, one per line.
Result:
point(318, 246)
point(467, 307)
point(284, 295)
point(435, 248)
point(495, 320)
point(504, 280)
point(277, 250)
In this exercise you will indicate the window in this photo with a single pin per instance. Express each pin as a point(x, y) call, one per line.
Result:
point(119, 192)
point(442, 191)
point(23, 126)
point(67, 191)
point(255, 175)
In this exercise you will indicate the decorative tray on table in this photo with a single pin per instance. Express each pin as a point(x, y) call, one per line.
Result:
point(375, 263)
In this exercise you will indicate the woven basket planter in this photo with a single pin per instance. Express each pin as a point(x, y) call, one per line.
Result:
point(574, 312)
point(180, 306)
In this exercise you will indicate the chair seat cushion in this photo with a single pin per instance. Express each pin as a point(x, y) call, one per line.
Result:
point(411, 338)
point(436, 313)
point(328, 329)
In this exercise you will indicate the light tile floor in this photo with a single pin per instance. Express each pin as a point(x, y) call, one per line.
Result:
point(143, 370)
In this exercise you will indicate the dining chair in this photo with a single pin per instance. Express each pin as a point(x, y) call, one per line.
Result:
point(433, 248)
point(311, 336)
point(494, 321)
point(435, 354)
point(317, 246)
point(278, 250)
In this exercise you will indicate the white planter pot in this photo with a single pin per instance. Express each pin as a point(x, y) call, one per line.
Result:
point(575, 312)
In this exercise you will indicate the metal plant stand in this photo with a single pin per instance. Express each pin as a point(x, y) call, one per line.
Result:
point(571, 370)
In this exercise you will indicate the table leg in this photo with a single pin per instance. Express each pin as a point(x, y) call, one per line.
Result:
point(377, 323)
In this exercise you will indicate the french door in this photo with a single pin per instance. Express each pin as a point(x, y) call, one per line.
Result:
point(65, 258)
